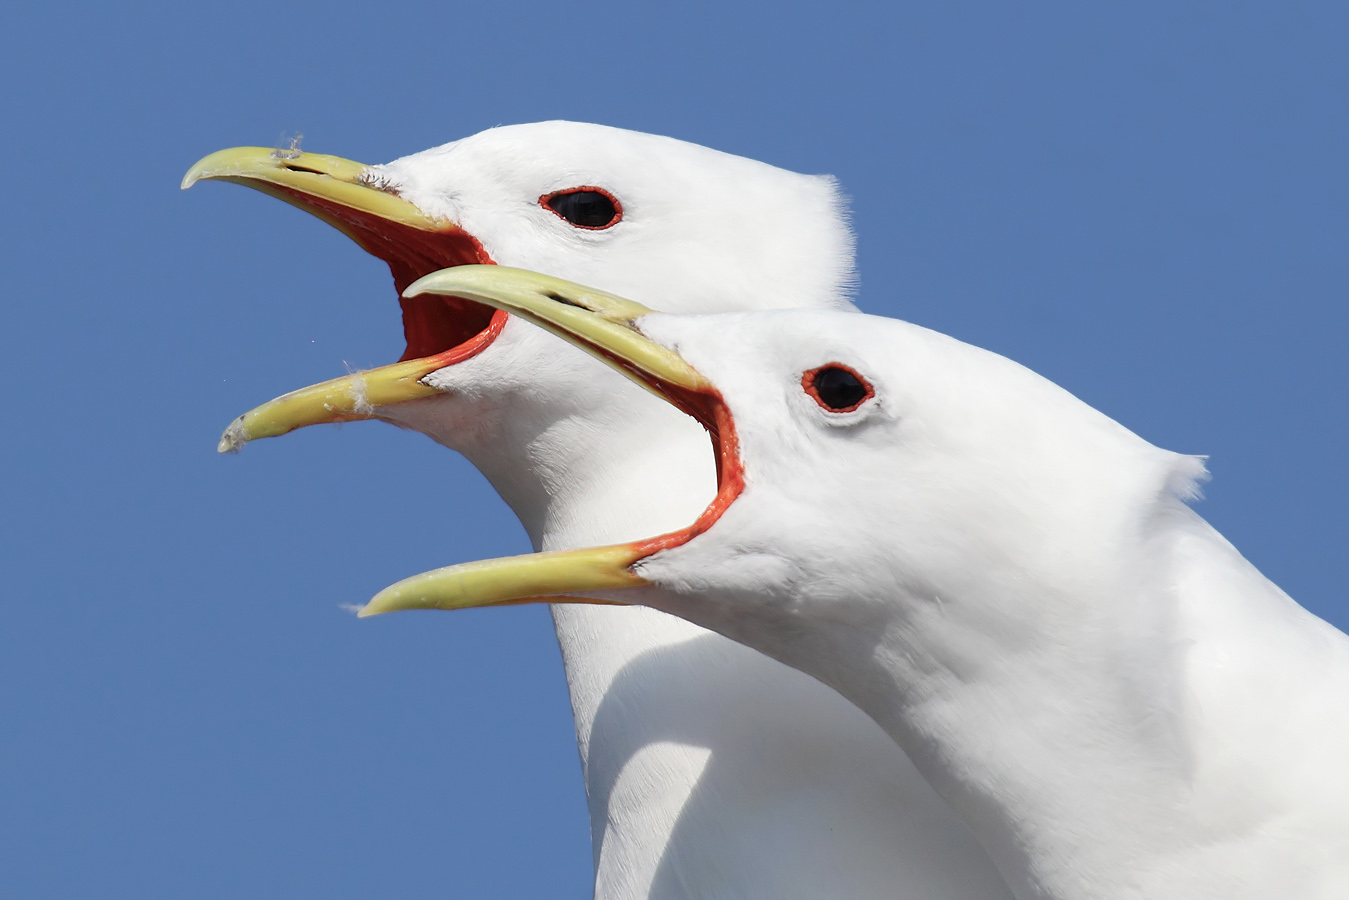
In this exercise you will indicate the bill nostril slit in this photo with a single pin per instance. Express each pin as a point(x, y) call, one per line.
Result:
point(553, 295)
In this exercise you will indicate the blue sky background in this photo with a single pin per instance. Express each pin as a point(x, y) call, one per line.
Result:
point(1146, 202)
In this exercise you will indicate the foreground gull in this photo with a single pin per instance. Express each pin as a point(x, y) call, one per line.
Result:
point(1117, 703)
point(711, 771)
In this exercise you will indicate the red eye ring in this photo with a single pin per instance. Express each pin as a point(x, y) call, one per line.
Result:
point(837, 388)
point(548, 202)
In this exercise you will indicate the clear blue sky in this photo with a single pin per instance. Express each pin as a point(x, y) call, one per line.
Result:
point(1146, 202)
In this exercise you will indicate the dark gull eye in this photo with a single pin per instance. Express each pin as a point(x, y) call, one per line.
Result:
point(585, 207)
point(837, 388)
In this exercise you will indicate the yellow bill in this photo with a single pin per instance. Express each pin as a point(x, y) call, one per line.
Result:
point(344, 399)
point(513, 579)
point(603, 325)
point(598, 322)
point(338, 191)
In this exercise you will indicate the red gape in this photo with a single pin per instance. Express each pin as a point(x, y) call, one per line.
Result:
point(431, 325)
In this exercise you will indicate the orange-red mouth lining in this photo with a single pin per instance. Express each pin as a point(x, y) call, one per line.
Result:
point(709, 409)
point(447, 327)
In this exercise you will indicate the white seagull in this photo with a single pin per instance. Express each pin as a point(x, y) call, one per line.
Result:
point(711, 771)
point(1010, 583)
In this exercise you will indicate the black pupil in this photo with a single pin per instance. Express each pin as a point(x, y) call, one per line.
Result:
point(589, 209)
point(838, 388)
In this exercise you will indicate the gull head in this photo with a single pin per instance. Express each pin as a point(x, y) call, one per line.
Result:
point(869, 470)
point(686, 228)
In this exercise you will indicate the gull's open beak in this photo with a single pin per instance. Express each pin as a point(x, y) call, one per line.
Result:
point(347, 196)
point(338, 191)
point(344, 399)
point(605, 326)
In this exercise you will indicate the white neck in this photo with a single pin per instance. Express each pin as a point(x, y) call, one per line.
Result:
point(1094, 732)
point(1048, 714)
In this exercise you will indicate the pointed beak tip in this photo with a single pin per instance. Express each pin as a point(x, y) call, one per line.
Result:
point(199, 170)
point(420, 286)
point(378, 605)
point(467, 281)
point(234, 438)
